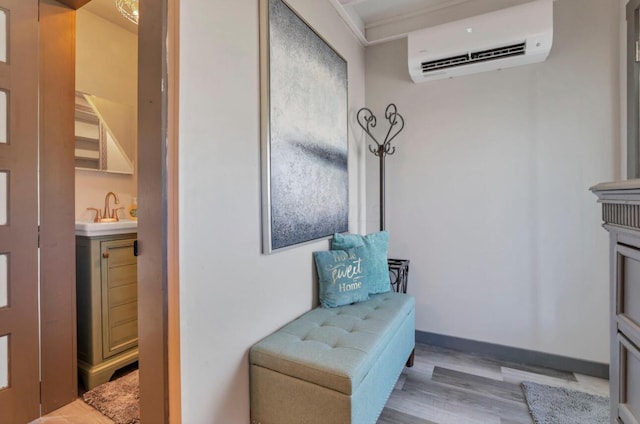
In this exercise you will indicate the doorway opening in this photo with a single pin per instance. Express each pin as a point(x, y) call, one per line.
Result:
point(158, 340)
point(105, 128)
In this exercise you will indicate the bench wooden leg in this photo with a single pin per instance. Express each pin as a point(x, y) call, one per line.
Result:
point(410, 360)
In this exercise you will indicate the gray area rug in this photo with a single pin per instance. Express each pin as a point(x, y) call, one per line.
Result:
point(118, 399)
point(557, 405)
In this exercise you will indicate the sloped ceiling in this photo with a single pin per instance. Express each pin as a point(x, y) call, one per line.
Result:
point(74, 4)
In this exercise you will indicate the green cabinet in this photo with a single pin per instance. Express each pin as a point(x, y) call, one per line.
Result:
point(107, 303)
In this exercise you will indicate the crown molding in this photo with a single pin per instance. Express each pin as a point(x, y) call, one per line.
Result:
point(359, 28)
point(354, 23)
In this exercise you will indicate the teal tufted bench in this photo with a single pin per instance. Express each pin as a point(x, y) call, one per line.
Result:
point(333, 366)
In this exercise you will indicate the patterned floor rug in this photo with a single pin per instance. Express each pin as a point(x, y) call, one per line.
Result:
point(118, 399)
point(558, 405)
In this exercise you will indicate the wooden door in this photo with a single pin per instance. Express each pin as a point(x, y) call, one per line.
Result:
point(19, 374)
point(58, 363)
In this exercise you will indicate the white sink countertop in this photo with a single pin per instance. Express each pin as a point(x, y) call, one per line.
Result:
point(90, 229)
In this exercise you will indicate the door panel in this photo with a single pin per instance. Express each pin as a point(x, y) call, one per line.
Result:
point(4, 362)
point(3, 35)
point(4, 196)
point(4, 280)
point(3, 112)
point(20, 399)
point(59, 379)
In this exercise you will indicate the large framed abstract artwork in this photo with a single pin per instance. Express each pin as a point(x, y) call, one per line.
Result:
point(305, 187)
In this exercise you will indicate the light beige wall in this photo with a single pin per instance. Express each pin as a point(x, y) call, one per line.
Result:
point(487, 194)
point(106, 66)
point(622, 153)
point(231, 295)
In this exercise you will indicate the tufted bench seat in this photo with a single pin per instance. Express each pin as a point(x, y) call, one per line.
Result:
point(333, 366)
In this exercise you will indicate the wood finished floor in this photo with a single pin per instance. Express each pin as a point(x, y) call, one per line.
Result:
point(449, 387)
point(76, 412)
point(443, 387)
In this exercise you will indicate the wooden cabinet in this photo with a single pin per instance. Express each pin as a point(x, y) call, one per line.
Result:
point(107, 302)
point(621, 216)
point(626, 318)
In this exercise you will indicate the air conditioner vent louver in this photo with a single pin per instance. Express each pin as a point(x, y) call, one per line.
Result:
point(507, 51)
point(445, 63)
point(473, 57)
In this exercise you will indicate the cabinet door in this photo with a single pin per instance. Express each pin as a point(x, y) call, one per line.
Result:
point(629, 390)
point(627, 292)
point(625, 360)
point(119, 296)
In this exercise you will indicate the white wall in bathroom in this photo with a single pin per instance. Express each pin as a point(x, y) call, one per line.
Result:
point(106, 66)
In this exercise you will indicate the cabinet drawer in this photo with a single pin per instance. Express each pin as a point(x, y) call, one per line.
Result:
point(124, 336)
point(121, 275)
point(123, 313)
point(120, 253)
point(627, 291)
point(122, 294)
point(629, 391)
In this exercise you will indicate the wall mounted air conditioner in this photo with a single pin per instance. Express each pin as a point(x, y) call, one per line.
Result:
point(509, 37)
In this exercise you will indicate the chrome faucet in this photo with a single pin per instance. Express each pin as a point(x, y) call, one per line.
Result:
point(114, 212)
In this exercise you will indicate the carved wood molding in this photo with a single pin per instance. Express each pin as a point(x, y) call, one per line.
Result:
point(620, 202)
point(621, 214)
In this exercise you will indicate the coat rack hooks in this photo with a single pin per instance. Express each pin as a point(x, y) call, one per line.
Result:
point(367, 120)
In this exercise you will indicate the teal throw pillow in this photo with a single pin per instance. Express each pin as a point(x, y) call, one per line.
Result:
point(375, 257)
point(341, 276)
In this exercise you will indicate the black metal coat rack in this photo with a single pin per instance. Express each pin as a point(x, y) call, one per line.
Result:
point(367, 120)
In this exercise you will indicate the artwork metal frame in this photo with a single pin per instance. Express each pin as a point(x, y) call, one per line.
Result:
point(304, 131)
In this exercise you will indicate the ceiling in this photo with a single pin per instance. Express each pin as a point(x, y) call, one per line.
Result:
point(377, 21)
point(373, 11)
point(107, 9)
point(372, 21)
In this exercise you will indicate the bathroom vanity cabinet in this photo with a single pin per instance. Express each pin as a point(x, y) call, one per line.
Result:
point(107, 305)
point(621, 216)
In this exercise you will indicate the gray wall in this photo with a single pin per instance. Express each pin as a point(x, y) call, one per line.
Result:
point(488, 191)
point(230, 294)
